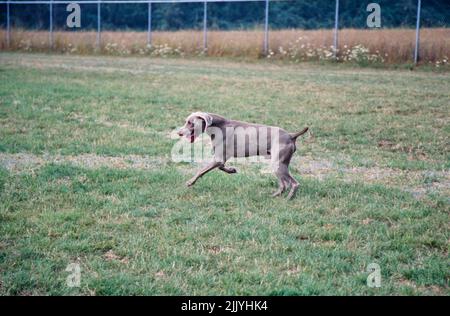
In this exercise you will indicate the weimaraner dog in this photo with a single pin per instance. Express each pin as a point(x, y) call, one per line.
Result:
point(231, 138)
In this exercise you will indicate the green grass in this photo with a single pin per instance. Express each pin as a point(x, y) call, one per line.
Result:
point(141, 231)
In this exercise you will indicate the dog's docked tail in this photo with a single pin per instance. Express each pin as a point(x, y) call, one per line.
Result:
point(295, 135)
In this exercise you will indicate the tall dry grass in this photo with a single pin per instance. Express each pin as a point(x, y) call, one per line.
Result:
point(386, 45)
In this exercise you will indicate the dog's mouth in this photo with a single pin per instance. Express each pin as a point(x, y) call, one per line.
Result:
point(190, 137)
point(189, 134)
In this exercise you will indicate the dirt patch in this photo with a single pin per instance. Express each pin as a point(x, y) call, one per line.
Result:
point(111, 256)
point(23, 162)
point(412, 151)
point(319, 169)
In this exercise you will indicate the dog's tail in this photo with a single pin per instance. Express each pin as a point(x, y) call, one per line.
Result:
point(295, 135)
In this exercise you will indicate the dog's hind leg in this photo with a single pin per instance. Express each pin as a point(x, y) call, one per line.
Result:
point(294, 187)
point(283, 180)
point(281, 166)
point(228, 170)
point(286, 180)
point(281, 188)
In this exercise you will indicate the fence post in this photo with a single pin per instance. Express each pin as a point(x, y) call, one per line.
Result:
point(416, 51)
point(8, 26)
point(149, 29)
point(51, 26)
point(336, 29)
point(99, 21)
point(205, 27)
point(266, 29)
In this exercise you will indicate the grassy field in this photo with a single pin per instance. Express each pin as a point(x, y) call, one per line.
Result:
point(385, 46)
point(86, 177)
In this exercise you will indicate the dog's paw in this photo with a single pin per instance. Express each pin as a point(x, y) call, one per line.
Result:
point(190, 183)
point(232, 170)
point(277, 193)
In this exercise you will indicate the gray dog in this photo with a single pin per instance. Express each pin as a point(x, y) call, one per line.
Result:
point(231, 138)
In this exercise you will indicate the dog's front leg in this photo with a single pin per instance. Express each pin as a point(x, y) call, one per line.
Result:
point(207, 169)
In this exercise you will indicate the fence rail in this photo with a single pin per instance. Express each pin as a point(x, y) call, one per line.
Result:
point(205, 18)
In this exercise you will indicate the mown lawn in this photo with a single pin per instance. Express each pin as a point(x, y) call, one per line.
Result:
point(379, 139)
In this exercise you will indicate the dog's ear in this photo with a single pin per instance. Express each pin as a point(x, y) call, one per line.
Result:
point(204, 116)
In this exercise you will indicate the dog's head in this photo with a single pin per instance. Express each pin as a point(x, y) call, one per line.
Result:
point(196, 124)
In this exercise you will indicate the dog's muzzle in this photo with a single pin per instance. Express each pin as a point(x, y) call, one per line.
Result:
point(187, 133)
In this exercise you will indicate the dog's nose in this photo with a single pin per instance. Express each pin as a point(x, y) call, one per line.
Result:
point(180, 133)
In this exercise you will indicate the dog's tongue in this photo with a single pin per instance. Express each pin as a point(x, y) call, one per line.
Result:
point(192, 138)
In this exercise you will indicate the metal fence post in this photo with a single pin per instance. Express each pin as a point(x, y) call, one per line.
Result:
point(266, 29)
point(149, 26)
point(336, 29)
point(416, 51)
point(8, 26)
point(99, 21)
point(51, 26)
point(205, 27)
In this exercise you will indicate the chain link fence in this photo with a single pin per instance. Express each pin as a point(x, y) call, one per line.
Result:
point(261, 16)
